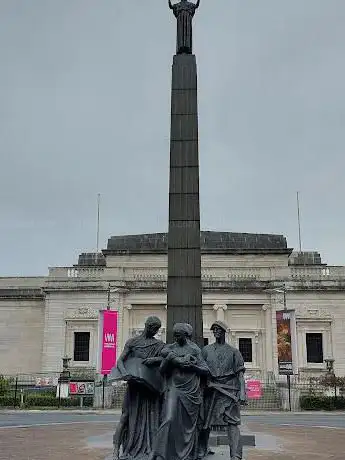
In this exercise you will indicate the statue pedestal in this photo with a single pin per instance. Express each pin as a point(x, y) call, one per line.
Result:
point(221, 439)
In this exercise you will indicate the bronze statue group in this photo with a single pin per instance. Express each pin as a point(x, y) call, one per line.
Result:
point(177, 393)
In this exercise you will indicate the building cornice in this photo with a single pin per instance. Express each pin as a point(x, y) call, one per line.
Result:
point(20, 293)
point(67, 287)
point(235, 286)
point(222, 251)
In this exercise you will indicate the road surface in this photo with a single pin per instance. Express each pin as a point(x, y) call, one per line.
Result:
point(27, 419)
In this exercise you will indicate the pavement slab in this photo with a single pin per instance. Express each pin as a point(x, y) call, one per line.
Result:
point(299, 443)
point(52, 442)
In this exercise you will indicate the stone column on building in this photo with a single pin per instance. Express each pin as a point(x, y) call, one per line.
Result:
point(269, 345)
point(301, 358)
point(220, 311)
point(54, 331)
point(272, 308)
point(257, 352)
point(126, 324)
point(117, 302)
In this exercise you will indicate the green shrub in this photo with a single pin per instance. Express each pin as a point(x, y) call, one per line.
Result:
point(88, 401)
point(7, 401)
point(42, 400)
point(328, 403)
point(331, 381)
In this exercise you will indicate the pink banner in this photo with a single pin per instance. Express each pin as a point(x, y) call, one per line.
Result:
point(254, 389)
point(108, 340)
point(73, 388)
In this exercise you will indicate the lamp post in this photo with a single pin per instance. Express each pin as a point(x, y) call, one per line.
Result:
point(282, 290)
point(64, 379)
point(105, 376)
point(330, 371)
point(330, 365)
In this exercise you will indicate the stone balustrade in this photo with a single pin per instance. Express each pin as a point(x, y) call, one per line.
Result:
point(76, 272)
point(160, 274)
point(207, 274)
point(291, 273)
point(317, 273)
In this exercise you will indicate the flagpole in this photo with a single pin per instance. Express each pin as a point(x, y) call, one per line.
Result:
point(98, 207)
point(299, 224)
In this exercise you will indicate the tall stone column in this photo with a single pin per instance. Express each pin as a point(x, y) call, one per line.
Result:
point(184, 297)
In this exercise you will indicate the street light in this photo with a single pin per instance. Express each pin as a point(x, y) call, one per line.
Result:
point(65, 362)
point(330, 370)
point(282, 290)
point(105, 376)
point(329, 365)
point(64, 379)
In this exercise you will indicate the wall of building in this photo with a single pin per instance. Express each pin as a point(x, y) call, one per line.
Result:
point(21, 336)
point(322, 312)
point(36, 333)
point(68, 311)
point(244, 314)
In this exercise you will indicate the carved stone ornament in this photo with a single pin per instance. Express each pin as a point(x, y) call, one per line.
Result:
point(83, 313)
point(310, 312)
point(220, 307)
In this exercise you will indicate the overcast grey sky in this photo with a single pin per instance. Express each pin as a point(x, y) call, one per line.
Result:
point(84, 109)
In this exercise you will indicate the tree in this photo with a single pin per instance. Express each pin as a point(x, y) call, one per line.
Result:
point(5, 385)
point(331, 381)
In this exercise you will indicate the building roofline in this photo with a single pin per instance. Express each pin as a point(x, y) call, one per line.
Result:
point(223, 251)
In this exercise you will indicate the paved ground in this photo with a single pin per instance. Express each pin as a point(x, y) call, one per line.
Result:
point(295, 443)
point(52, 443)
point(73, 436)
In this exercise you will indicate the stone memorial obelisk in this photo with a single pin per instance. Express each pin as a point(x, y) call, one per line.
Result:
point(184, 296)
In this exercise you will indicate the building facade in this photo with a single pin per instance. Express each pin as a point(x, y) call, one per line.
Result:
point(244, 277)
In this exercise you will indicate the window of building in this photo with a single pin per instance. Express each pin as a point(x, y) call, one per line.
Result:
point(205, 341)
point(81, 346)
point(314, 348)
point(246, 348)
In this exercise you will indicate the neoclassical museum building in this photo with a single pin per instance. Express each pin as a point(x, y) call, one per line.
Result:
point(246, 279)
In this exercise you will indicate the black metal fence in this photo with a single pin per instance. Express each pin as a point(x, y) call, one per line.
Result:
point(298, 392)
point(37, 391)
point(293, 394)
